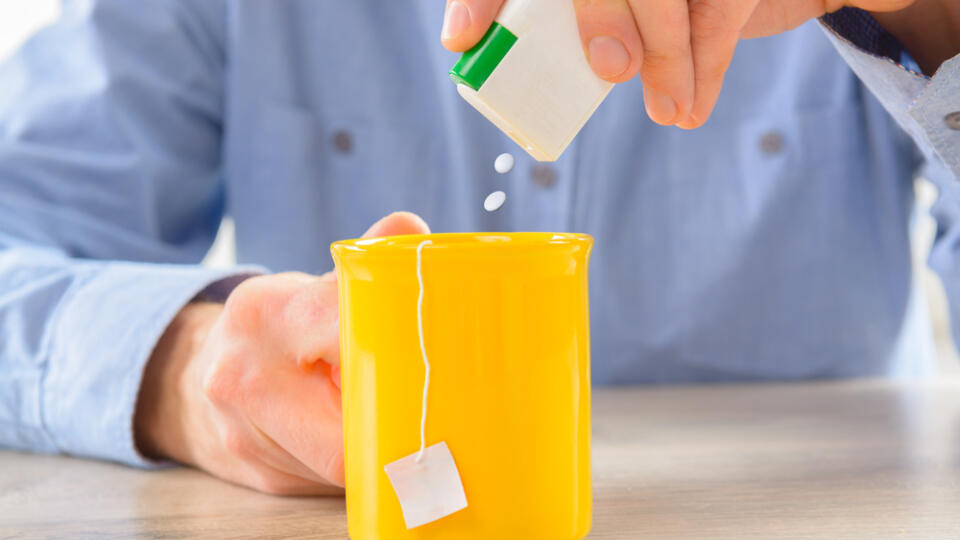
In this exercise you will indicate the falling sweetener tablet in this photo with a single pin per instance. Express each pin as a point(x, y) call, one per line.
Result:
point(504, 163)
point(494, 201)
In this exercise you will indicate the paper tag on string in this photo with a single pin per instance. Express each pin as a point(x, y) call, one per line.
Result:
point(428, 490)
point(427, 482)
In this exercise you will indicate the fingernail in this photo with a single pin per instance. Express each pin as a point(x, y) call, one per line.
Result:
point(661, 107)
point(608, 56)
point(455, 21)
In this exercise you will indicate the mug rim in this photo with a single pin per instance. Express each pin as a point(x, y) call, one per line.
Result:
point(491, 240)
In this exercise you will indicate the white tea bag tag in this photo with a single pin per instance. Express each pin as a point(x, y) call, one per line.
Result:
point(428, 490)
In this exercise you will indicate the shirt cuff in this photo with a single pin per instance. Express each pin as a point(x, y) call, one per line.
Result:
point(927, 108)
point(104, 334)
point(863, 31)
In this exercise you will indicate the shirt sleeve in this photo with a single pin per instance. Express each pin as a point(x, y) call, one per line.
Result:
point(110, 195)
point(928, 108)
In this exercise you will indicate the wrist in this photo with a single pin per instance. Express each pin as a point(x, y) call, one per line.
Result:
point(161, 417)
point(928, 29)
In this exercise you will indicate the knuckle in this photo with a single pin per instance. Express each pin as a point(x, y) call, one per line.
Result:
point(710, 76)
point(250, 383)
point(220, 385)
point(316, 304)
point(708, 20)
point(242, 309)
point(713, 75)
point(235, 443)
point(236, 380)
point(213, 387)
point(675, 18)
point(665, 58)
point(250, 287)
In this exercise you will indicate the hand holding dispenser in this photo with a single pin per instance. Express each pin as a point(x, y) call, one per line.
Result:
point(530, 77)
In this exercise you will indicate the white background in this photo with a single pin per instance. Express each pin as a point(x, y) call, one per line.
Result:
point(19, 18)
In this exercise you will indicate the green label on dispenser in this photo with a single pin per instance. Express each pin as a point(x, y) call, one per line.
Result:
point(476, 65)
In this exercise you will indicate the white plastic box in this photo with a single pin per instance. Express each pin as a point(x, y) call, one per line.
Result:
point(530, 77)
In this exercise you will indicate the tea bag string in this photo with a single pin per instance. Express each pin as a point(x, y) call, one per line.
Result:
point(423, 351)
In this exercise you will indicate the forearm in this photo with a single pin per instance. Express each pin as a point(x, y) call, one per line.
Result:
point(928, 29)
point(74, 338)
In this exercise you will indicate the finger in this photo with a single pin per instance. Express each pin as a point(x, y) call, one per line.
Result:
point(466, 21)
point(310, 323)
point(308, 327)
point(272, 454)
point(398, 223)
point(715, 27)
point(771, 18)
point(289, 316)
point(610, 38)
point(296, 316)
point(267, 479)
point(335, 376)
point(311, 319)
point(246, 456)
point(667, 71)
point(302, 415)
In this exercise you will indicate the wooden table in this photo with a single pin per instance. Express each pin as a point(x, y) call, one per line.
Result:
point(863, 459)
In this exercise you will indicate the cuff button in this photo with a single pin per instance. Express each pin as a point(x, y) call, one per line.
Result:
point(952, 120)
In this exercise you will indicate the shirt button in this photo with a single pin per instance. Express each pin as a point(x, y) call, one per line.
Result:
point(543, 175)
point(771, 142)
point(953, 120)
point(343, 141)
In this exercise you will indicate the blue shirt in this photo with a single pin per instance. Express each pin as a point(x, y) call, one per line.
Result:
point(770, 244)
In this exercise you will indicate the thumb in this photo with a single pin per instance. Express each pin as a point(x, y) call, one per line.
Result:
point(466, 21)
point(321, 298)
point(398, 223)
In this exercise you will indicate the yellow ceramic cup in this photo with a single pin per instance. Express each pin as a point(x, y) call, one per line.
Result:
point(506, 328)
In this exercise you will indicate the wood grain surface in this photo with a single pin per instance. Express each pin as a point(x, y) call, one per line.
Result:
point(863, 459)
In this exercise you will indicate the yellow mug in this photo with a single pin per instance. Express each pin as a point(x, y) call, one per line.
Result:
point(506, 329)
